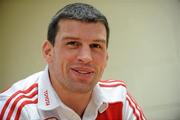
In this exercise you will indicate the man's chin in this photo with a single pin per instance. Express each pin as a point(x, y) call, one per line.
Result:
point(83, 87)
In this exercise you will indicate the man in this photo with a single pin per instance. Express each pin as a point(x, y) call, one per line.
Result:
point(70, 87)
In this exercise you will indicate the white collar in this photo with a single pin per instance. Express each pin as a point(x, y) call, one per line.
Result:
point(49, 100)
point(47, 97)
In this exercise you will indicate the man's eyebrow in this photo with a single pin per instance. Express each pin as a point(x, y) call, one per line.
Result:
point(100, 40)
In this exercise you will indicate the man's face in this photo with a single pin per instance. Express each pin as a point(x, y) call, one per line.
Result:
point(79, 55)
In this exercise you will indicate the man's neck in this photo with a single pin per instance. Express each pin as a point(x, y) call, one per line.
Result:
point(74, 100)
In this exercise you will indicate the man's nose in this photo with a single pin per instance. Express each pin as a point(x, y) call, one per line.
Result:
point(85, 54)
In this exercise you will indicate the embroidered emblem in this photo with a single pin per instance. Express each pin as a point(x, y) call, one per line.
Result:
point(46, 96)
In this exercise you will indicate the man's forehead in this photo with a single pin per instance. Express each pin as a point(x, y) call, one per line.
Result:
point(72, 21)
point(74, 28)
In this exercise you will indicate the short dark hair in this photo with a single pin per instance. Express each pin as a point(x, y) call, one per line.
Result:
point(76, 11)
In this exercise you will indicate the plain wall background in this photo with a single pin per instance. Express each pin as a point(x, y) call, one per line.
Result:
point(144, 47)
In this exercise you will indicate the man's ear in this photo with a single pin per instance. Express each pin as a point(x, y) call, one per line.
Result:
point(47, 51)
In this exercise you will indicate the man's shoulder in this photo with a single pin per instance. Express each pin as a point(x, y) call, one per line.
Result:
point(18, 95)
point(113, 90)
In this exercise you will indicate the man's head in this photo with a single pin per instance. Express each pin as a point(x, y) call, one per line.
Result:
point(77, 11)
point(76, 49)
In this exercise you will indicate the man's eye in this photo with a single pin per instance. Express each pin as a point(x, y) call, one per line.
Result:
point(73, 43)
point(95, 46)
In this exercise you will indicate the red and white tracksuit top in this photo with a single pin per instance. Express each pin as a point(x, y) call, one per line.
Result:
point(35, 99)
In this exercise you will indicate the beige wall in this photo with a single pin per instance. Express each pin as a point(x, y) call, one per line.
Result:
point(144, 47)
point(1, 62)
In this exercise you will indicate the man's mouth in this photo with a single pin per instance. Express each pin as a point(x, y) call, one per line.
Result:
point(83, 71)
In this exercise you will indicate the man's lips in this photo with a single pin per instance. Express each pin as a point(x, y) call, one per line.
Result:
point(81, 70)
point(82, 73)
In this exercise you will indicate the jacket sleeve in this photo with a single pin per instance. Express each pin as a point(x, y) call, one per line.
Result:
point(131, 110)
